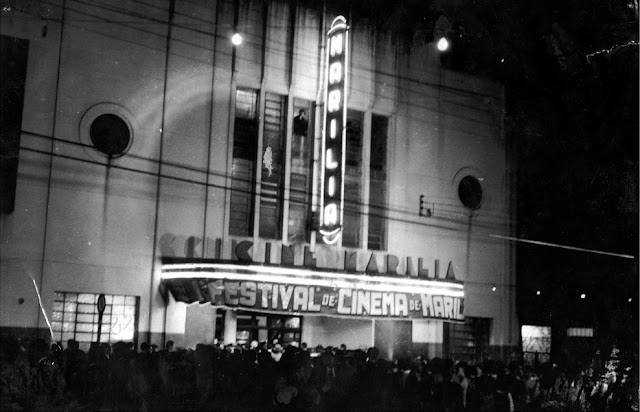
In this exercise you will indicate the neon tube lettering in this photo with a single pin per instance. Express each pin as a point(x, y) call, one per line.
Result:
point(332, 186)
point(333, 105)
point(336, 45)
point(335, 73)
point(331, 214)
point(331, 162)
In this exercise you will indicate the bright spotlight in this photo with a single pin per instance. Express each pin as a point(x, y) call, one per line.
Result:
point(443, 44)
point(236, 39)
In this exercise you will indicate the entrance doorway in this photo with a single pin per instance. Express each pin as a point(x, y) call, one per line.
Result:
point(263, 327)
point(393, 338)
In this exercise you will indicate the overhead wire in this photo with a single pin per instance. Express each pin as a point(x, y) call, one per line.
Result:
point(414, 104)
point(301, 54)
point(441, 206)
point(453, 208)
point(385, 214)
point(158, 21)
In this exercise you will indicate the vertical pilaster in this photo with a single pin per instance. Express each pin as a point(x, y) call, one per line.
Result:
point(366, 174)
point(230, 326)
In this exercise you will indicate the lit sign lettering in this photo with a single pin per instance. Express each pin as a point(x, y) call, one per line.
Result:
point(277, 289)
point(334, 141)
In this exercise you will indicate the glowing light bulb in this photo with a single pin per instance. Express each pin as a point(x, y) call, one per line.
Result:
point(236, 39)
point(583, 296)
point(493, 288)
point(443, 44)
point(538, 293)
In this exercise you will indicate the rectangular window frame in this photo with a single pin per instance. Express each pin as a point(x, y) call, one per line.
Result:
point(259, 191)
point(272, 194)
point(244, 155)
point(15, 56)
point(77, 312)
point(354, 205)
point(377, 211)
point(468, 340)
point(275, 327)
point(286, 197)
point(299, 175)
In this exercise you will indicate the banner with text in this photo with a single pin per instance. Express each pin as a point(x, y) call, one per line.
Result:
point(321, 300)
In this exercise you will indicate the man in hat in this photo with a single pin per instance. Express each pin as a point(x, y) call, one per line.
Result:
point(276, 352)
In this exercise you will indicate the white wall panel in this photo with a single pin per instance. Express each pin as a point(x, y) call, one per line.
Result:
point(361, 66)
point(277, 52)
point(249, 53)
point(307, 41)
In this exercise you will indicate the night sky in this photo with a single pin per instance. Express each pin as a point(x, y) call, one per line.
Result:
point(571, 76)
point(570, 71)
point(573, 109)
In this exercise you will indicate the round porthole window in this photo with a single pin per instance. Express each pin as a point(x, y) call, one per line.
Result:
point(106, 129)
point(470, 192)
point(110, 134)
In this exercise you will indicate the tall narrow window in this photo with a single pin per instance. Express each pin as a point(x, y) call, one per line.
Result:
point(13, 72)
point(301, 173)
point(352, 181)
point(378, 183)
point(245, 142)
point(273, 159)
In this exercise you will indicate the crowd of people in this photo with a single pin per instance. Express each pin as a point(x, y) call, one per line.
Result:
point(268, 376)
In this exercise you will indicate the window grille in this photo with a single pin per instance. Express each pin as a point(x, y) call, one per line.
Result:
point(76, 316)
point(580, 332)
point(273, 158)
point(536, 344)
point(467, 341)
point(352, 181)
point(301, 174)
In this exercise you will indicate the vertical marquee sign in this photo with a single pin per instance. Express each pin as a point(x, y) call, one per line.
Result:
point(334, 132)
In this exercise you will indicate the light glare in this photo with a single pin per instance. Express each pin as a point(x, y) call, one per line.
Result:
point(364, 284)
point(583, 296)
point(443, 44)
point(299, 273)
point(236, 39)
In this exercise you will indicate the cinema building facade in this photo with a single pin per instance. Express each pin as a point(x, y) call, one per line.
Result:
point(324, 181)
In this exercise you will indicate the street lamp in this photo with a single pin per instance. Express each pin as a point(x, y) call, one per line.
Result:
point(236, 39)
point(443, 44)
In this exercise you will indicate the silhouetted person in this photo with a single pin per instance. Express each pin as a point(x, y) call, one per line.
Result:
point(76, 367)
point(300, 123)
